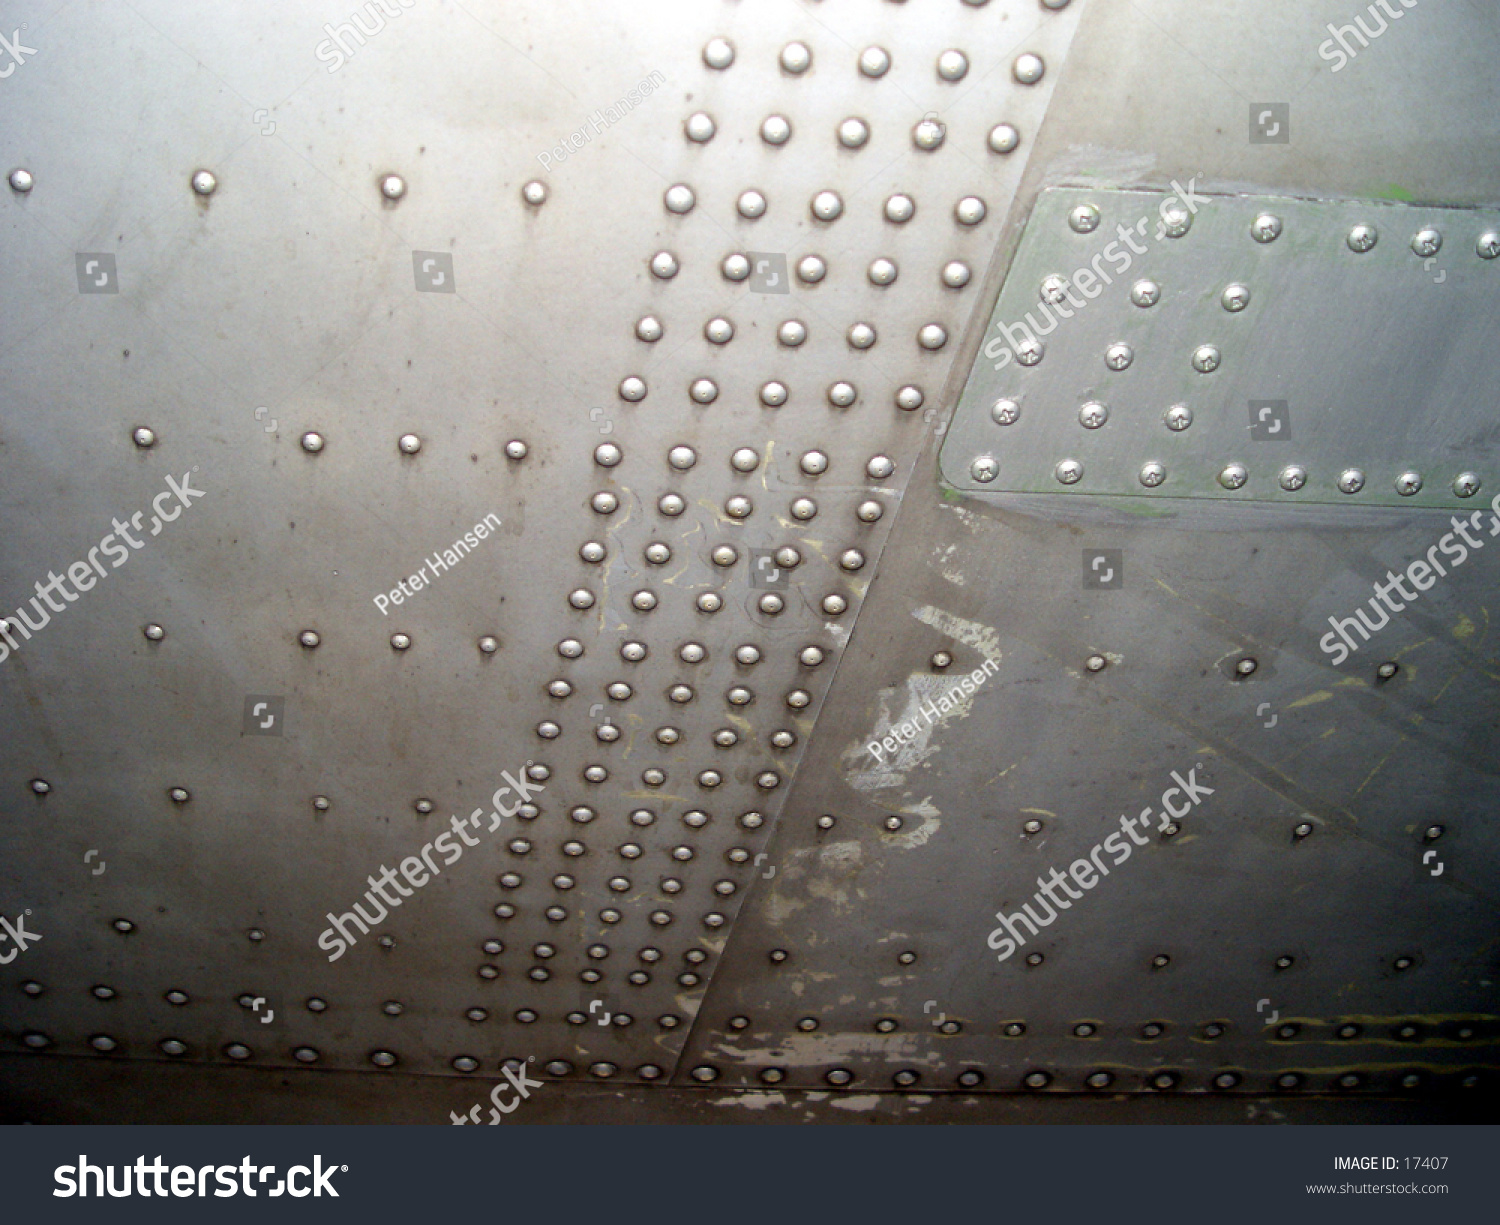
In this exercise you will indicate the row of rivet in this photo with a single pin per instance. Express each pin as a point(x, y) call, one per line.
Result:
point(874, 62)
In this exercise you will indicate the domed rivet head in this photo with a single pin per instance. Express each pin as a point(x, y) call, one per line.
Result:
point(738, 507)
point(803, 508)
point(1175, 219)
point(725, 555)
point(581, 598)
point(671, 504)
point(771, 603)
point(255, 935)
point(791, 333)
point(1246, 666)
point(1084, 219)
point(237, 1050)
point(1292, 478)
point(751, 205)
point(700, 127)
point(1303, 829)
point(570, 648)
point(796, 58)
point(952, 65)
point(861, 336)
point(705, 1074)
point(745, 459)
point(1178, 417)
point(154, 632)
point(827, 205)
point(718, 331)
point(984, 469)
point(704, 391)
point(932, 337)
point(1119, 356)
point(969, 211)
point(882, 272)
point(1266, 228)
point(1235, 298)
point(1005, 412)
point(835, 605)
point(1145, 293)
point(956, 274)
point(1152, 474)
point(309, 638)
point(1466, 485)
point(810, 269)
point(21, 181)
point(841, 395)
point(718, 53)
point(144, 438)
point(1408, 484)
point(853, 133)
point(775, 130)
point(869, 512)
point(1030, 351)
point(874, 61)
point(489, 645)
point(1351, 480)
point(1206, 359)
point(1004, 138)
point(900, 208)
point(1069, 472)
point(1233, 476)
point(123, 926)
point(928, 134)
point(894, 823)
point(312, 442)
point(534, 193)
point(1037, 1080)
point(814, 462)
point(851, 559)
point(1362, 238)
point(41, 786)
point(410, 444)
point(1488, 245)
point(393, 187)
point(682, 458)
point(632, 390)
point(909, 398)
point(204, 182)
point(787, 558)
point(664, 265)
point(679, 198)
point(649, 329)
point(1426, 242)
point(179, 795)
point(592, 552)
point(607, 455)
point(1095, 663)
point(773, 394)
point(383, 1059)
point(657, 554)
point(423, 806)
point(173, 1047)
point(1028, 68)
point(643, 601)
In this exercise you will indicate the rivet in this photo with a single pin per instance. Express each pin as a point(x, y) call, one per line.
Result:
point(1362, 238)
point(826, 822)
point(410, 444)
point(1288, 1080)
point(932, 337)
point(882, 272)
point(1387, 670)
point(900, 208)
point(970, 1079)
point(1427, 242)
point(1028, 68)
point(874, 61)
point(1206, 359)
point(738, 506)
point(664, 265)
point(423, 806)
point(1233, 476)
point(104, 993)
point(1266, 228)
point(154, 632)
point(173, 1047)
point(255, 935)
point(842, 395)
point(204, 182)
point(679, 198)
point(1092, 415)
point(607, 455)
point(1037, 1080)
point(803, 508)
point(400, 641)
point(1069, 472)
point(869, 512)
point(386, 941)
point(745, 459)
point(393, 187)
point(1235, 298)
point(791, 333)
point(718, 331)
point(633, 652)
point(725, 555)
point(1245, 666)
point(952, 65)
point(570, 648)
point(909, 398)
point(814, 462)
point(839, 1077)
point(1303, 829)
point(144, 438)
point(969, 211)
point(1292, 478)
point(703, 391)
point(750, 205)
point(237, 1050)
point(795, 57)
point(1178, 417)
point(894, 823)
point(1030, 351)
point(747, 654)
point(604, 502)
point(1161, 961)
point(860, 336)
point(879, 467)
point(21, 181)
point(1408, 484)
point(516, 449)
point(928, 134)
point(123, 926)
point(1152, 1029)
point(775, 130)
point(835, 605)
point(956, 274)
point(1152, 474)
point(1145, 293)
point(1351, 480)
point(1084, 219)
point(534, 193)
point(671, 504)
point(1176, 220)
point(1005, 412)
point(1004, 138)
point(1466, 485)
point(718, 53)
point(1285, 962)
point(179, 795)
point(36, 1041)
point(700, 127)
point(984, 469)
point(788, 558)
point(770, 603)
point(853, 133)
point(710, 602)
point(33, 988)
point(1213, 1030)
point(1099, 1080)
point(1488, 246)
point(851, 559)
point(649, 329)
point(1095, 663)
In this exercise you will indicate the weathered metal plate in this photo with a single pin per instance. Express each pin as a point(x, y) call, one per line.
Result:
point(1251, 354)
